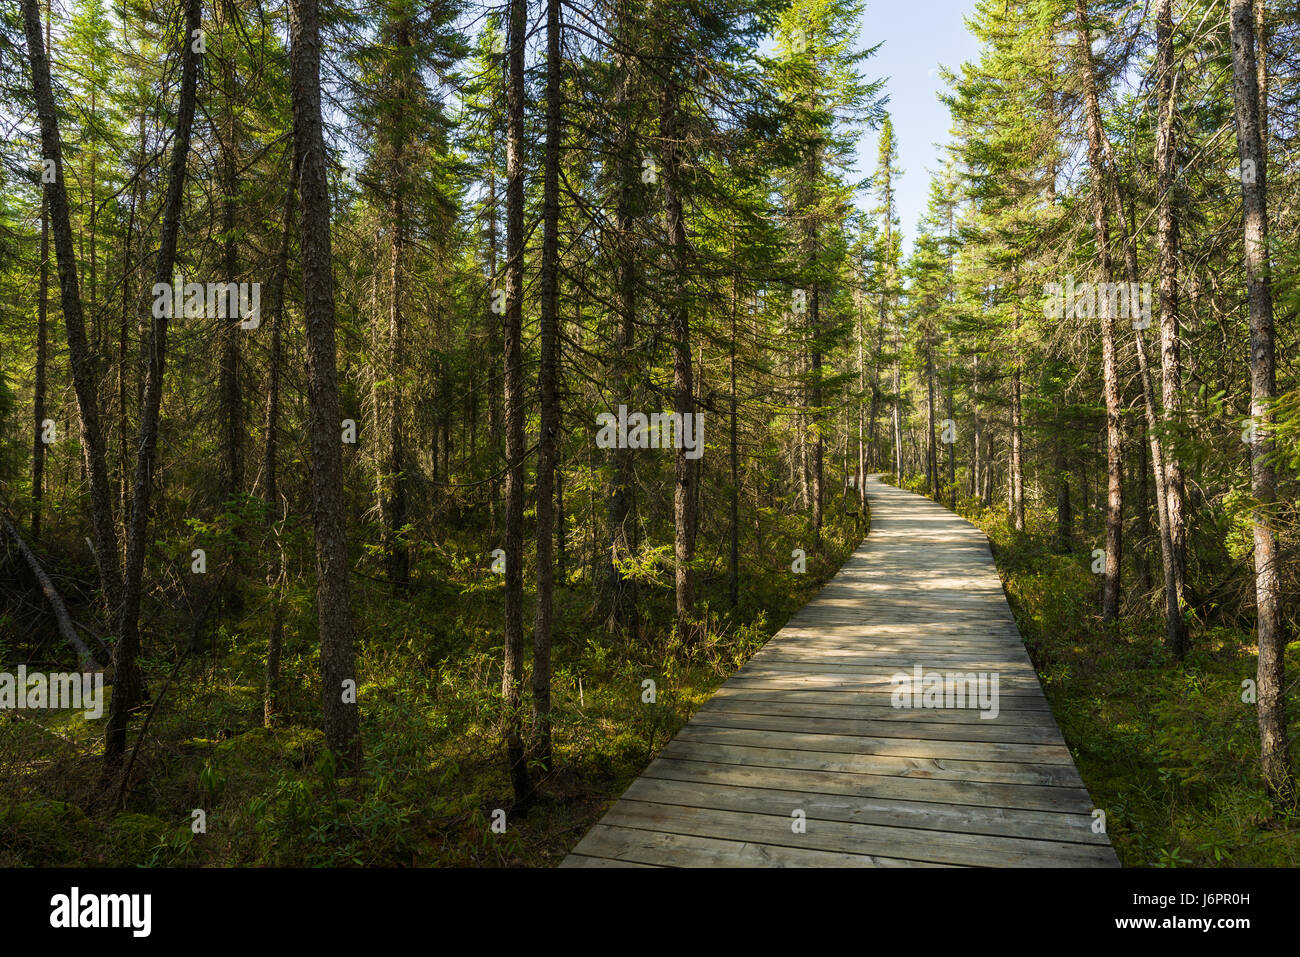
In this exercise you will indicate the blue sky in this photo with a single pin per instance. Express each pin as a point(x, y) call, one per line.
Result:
point(918, 36)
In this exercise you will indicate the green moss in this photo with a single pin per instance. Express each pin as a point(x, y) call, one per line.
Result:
point(264, 750)
point(132, 837)
point(42, 833)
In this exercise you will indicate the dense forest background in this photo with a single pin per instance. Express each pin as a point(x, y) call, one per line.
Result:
point(362, 581)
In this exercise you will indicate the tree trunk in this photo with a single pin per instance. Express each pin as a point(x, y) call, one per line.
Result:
point(875, 386)
point(621, 590)
point(561, 529)
point(819, 445)
point(683, 385)
point(976, 488)
point(231, 403)
point(931, 449)
point(513, 668)
point(38, 400)
point(1271, 677)
point(898, 412)
point(1064, 514)
point(861, 479)
point(1127, 235)
point(733, 566)
point(952, 446)
point(1109, 361)
point(128, 274)
point(801, 385)
point(79, 357)
point(333, 588)
point(394, 507)
point(1016, 478)
point(1170, 347)
point(494, 345)
point(1142, 555)
point(276, 571)
point(548, 394)
point(127, 682)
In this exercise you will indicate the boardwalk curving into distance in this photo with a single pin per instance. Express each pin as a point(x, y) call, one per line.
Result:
point(809, 725)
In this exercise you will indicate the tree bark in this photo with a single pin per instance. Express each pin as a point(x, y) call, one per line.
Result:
point(548, 395)
point(231, 412)
point(680, 323)
point(977, 487)
point(898, 411)
point(38, 399)
point(931, 448)
point(861, 471)
point(495, 396)
point(1143, 510)
point(733, 565)
point(952, 446)
point(1170, 347)
point(394, 499)
point(79, 357)
point(513, 666)
point(621, 590)
point(127, 682)
point(1064, 514)
point(276, 571)
point(1109, 361)
point(1016, 478)
point(333, 588)
point(1110, 180)
point(1271, 637)
point(875, 386)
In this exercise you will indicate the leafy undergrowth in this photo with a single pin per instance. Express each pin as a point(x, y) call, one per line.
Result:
point(1169, 751)
point(429, 695)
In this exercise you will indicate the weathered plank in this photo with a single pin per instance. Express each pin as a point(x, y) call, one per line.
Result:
point(1027, 797)
point(990, 772)
point(878, 706)
point(774, 718)
point(960, 818)
point(639, 847)
point(894, 746)
point(936, 847)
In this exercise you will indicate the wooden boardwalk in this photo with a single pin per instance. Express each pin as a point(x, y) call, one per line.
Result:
point(808, 725)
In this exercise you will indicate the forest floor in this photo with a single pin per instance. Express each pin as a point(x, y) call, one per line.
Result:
point(429, 694)
point(1170, 752)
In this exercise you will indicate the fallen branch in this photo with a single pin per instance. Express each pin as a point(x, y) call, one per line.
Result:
point(61, 616)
